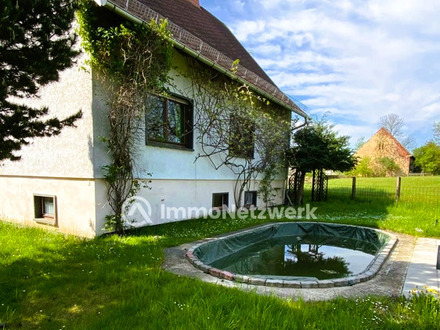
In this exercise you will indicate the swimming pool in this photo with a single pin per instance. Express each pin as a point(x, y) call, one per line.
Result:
point(295, 254)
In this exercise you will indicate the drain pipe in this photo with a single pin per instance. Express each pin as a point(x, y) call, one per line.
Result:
point(306, 121)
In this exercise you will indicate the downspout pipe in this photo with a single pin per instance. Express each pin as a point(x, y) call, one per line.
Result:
point(202, 59)
point(286, 180)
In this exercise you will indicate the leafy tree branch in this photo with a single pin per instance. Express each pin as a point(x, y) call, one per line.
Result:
point(36, 44)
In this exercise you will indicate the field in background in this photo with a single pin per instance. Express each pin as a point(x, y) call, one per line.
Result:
point(425, 190)
point(416, 213)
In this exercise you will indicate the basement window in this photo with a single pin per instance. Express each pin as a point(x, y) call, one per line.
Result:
point(220, 201)
point(45, 209)
point(250, 199)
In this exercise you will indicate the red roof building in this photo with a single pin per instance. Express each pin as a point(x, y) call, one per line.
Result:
point(384, 145)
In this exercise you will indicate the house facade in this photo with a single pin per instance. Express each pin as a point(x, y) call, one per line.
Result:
point(59, 180)
point(384, 146)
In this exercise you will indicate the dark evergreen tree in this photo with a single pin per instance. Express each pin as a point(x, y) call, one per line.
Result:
point(317, 146)
point(36, 43)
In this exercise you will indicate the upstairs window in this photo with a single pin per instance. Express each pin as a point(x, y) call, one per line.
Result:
point(169, 122)
point(241, 137)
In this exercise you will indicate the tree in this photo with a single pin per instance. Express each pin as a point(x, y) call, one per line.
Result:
point(363, 168)
point(386, 166)
point(35, 45)
point(428, 158)
point(318, 146)
point(360, 142)
point(395, 125)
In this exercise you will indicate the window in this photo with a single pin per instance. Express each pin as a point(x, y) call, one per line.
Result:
point(250, 198)
point(381, 145)
point(241, 137)
point(220, 200)
point(169, 122)
point(45, 209)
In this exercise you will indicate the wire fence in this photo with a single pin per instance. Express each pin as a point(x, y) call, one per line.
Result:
point(401, 192)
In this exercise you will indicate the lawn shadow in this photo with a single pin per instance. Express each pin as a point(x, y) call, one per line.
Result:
point(56, 285)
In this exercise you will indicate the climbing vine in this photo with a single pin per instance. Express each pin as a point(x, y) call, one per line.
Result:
point(130, 61)
point(237, 128)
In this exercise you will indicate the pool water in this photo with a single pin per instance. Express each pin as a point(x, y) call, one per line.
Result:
point(295, 254)
point(311, 256)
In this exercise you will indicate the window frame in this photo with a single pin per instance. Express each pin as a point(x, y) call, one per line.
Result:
point(222, 207)
point(254, 198)
point(188, 122)
point(39, 215)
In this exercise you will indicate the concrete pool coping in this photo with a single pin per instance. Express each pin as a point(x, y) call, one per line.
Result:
point(369, 272)
point(423, 271)
point(388, 280)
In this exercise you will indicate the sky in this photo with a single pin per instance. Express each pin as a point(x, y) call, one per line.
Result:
point(354, 60)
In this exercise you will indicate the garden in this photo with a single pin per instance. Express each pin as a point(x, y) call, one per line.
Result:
point(54, 281)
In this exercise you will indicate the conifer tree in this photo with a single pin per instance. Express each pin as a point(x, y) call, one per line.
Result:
point(36, 43)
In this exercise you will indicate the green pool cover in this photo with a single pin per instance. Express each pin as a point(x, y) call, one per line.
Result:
point(275, 250)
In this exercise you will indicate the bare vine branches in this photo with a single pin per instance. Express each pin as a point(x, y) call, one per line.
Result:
point(237, 128)
point(131, 61)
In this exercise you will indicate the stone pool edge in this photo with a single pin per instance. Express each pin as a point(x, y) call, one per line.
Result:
point(371, 270)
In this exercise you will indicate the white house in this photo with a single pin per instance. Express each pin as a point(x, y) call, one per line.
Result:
point(59, 180)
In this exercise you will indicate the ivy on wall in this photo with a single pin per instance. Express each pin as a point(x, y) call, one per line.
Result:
point(131, 61)
point(235, 127)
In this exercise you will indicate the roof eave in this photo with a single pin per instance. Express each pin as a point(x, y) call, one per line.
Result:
point(235, 77)
point(294, 108)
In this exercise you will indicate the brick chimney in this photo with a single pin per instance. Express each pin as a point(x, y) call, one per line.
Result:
point(195, 2)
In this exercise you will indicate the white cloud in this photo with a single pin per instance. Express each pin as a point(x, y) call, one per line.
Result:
point(247, 28)
point(360, 59)
point(289, 80)
point(265, 49)
point(355, 131)
point(238, 5)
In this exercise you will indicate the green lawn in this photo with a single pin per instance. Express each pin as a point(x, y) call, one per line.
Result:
point(55, 281)
point(417, 213)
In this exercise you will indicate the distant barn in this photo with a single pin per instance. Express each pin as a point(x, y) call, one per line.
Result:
point(382, 149)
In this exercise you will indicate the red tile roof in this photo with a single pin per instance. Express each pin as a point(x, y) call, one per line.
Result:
point(208, 28)
point(400, 148)
point(197, 29)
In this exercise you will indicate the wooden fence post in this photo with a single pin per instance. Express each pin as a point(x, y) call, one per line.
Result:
point(353, 188)
point(438, 258)
point(399, 181)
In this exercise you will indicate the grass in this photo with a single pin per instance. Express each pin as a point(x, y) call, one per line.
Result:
point(417, 213)
point(55, 281)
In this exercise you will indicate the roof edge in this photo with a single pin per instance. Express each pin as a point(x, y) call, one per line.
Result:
point(383, 129)
point(139, 13)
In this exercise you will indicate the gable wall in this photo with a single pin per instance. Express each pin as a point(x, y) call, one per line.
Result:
point(177, 179)
point(382, 145)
